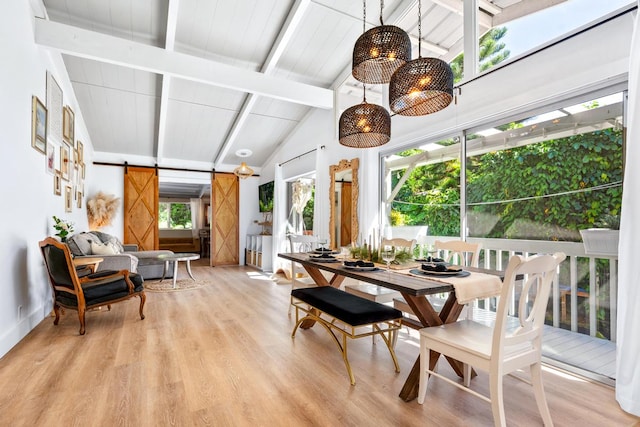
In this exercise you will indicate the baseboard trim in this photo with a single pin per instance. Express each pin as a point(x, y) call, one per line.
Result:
point(22, 328)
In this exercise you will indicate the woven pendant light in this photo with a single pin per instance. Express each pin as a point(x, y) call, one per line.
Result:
point(365, 126)
point(422, 86)
point(379, 52)
point(243, 171)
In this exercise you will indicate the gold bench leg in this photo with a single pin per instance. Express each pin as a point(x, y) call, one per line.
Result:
point(387, 337)
point(342, 346)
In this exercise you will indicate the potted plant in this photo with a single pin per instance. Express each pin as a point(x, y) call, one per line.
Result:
point(602, 239)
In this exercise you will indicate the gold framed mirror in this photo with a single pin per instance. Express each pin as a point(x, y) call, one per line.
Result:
point(343, 202)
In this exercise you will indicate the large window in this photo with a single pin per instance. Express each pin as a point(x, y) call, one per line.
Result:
point(423, 187)
point(531, 184)
point(300, 204)
point(548, 176)
point(174, 216)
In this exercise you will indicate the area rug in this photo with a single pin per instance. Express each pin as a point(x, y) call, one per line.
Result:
point(166, 285)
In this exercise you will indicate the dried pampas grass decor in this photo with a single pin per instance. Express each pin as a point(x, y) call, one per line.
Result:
point(101, 209)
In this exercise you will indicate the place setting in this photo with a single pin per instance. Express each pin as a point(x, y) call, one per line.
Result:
point(360, 265)
point(435, 267)
point(322, 253)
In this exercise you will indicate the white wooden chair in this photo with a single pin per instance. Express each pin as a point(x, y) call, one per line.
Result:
point(459, 252)
point(301, 243)
point(498, 350)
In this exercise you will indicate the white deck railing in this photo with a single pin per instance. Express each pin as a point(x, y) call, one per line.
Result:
point(495, 251)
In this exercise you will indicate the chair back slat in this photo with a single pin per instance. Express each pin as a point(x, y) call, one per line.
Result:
point(302, 242)
point(460, 252)
point(400, 244)
point(539, 273)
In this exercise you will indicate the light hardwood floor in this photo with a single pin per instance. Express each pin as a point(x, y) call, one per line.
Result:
point(222, 355)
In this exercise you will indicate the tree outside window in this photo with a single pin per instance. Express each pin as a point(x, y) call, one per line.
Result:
point(174, 216)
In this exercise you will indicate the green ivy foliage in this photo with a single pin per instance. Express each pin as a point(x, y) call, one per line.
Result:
point(432, 194)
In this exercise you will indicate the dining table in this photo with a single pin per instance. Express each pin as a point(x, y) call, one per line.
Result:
point(414, 288)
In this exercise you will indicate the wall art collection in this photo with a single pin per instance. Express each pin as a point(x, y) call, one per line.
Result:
point(53, 134)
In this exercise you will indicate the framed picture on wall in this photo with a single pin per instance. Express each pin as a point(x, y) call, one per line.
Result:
point(68, 119)
point(79, 200)
point(57, 183)
point(80, 150)
point(65, 162)
point(68, 199)
point(38, 125)
point(50, 158)
point(54, 109)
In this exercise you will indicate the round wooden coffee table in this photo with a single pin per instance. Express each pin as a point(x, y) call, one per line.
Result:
point(167, 258)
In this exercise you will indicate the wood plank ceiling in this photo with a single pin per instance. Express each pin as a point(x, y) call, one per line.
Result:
point(187, 83)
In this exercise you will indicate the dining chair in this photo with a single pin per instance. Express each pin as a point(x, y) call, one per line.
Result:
point(300, 243)
point(459, 252)
point(498, 350)
point(456, 252)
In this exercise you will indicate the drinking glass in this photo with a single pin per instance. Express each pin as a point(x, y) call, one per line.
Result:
point(321, 242)
point(388, 255)
point(345, 252)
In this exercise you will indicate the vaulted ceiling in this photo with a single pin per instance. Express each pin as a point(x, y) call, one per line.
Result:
point(188, 83)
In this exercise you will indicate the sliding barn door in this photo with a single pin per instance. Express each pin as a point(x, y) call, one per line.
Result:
point(225, 222)
point(141, 207)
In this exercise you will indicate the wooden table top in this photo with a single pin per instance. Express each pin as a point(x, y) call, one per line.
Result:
point(399, 281)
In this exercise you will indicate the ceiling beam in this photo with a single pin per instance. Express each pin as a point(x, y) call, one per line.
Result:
point(284, 37)
point(101, 47)
point(456, 6)
point(170, 41)
point(522, 8)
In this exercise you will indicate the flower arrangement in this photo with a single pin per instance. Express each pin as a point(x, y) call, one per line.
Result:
point(63, 228)
point(366, 252)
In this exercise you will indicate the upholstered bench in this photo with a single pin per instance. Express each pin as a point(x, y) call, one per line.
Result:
point(352, 316)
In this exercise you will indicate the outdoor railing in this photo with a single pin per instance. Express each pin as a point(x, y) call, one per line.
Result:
point(601, 274)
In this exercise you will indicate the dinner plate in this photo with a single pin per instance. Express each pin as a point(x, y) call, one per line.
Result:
point(356, 268)
point(323, 259)
point(323, 251)
point(417, 272)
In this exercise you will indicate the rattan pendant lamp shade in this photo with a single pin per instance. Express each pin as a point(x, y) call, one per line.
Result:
point(379, 52)
point(364, 126)
point(243, 171)
point(422, 86)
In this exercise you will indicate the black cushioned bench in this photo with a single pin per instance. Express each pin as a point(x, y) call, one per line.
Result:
point(357, 317)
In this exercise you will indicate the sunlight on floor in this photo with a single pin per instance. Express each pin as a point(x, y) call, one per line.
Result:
point(562, 374)
point(258, 276)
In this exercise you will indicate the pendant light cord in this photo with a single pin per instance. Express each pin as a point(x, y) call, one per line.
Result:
point(381, 7)
point(364, 16)
point(419, 28)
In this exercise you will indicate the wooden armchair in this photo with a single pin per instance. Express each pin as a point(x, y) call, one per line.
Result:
point(86, 291)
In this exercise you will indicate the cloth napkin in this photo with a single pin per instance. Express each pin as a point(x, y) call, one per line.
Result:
point(474, 286)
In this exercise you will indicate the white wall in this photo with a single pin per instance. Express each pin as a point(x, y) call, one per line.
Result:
point(27, 189)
